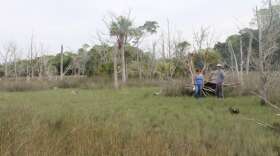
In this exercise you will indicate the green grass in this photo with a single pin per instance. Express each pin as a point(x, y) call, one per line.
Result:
point(132, 121)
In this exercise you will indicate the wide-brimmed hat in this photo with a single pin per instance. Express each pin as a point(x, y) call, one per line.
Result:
point(219, 65)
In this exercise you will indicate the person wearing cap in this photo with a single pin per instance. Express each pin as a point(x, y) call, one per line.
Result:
point(220, 77)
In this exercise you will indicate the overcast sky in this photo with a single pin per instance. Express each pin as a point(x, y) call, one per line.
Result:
point(74, 22)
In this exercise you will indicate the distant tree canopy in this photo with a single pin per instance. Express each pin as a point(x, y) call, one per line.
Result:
point(223, 49)
point(67, 59)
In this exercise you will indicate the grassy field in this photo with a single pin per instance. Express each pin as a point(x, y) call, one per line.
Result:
point(131, 122)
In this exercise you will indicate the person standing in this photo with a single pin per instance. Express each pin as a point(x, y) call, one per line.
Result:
point(198, 83)
point(220, 78)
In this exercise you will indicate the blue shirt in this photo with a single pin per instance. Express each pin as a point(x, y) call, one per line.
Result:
point(199, 79)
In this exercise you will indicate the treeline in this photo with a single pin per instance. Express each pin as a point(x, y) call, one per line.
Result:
point(170, 56)
point(97, 60)
point(245, 41)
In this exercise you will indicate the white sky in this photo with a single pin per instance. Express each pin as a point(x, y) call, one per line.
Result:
point(75, 22)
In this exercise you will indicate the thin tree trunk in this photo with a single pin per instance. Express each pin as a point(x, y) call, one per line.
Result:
point(31, 57)
point(126, 68)
point(169, 39)
point(163, 47)
point(235, 60)
point(61, 63)
point(6, 69)
point(249, 53)
point(138, 63)
point(27, 72)
point(241, 61)
point(231, 61)
point(15, 68)
point(116, 84)
point(153, 61)
point(123, 64)
point(41, 65)
point(263, 89)
point(191, 67)
point(140, 67)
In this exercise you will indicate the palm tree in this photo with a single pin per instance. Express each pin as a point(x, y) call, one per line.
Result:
point(122, 28)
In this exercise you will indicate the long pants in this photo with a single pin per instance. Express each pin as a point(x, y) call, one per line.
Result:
point(219, 90)
point(198, 90)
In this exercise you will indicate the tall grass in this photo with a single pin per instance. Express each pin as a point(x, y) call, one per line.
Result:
point(177, 88)
point(11, 85)
point(36, 85)
point(131, 122)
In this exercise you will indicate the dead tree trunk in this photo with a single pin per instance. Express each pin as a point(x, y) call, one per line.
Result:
point(163, 46)
point(153, 61)
point(263, 89)
point(241, 61)
point(41, 67)
point(249, 52)
point(61, 63)
point(168, 39)
point(31, 56)
point(15, 63)
point(231, 50)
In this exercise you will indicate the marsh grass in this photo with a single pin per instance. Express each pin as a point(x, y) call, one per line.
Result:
point(23, 85)
point(131, 122)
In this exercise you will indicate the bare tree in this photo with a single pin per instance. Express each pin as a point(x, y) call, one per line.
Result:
point(163, 46)
point(169, 39)
point(250, 34)
point(249, 53)
point(268, 33)
point(241, 61)
point(31, 55)
point(6, 56)
point(234, 60)
point(201, 39)
point(61, 63)
point(13, 48)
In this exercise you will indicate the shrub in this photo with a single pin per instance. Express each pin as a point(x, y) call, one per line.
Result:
point(176, 88)
point(69, 83)
point(22, 85)
point(144, 83)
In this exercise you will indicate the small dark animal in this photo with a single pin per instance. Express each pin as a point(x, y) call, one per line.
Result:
point(234, 110)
